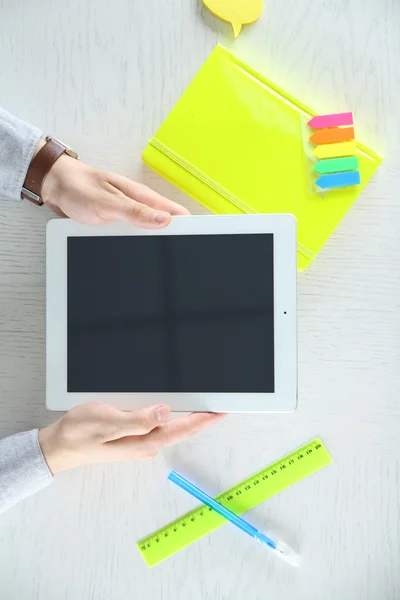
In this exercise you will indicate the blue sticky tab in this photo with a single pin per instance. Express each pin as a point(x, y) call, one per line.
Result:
point(338, 180)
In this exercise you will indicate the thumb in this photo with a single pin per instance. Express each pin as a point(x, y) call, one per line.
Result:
point(127, 209)
point(139, 422)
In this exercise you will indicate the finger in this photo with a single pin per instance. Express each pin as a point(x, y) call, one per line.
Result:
point(145, 195)
point(180, 429)
point(138, 422)
point(147, 446)
point(130, 448)
point(127, 209)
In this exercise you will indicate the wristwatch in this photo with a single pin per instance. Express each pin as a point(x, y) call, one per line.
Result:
point(40, 166)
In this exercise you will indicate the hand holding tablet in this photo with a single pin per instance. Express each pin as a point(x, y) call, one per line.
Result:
point(87, 195)
point(97, 433)
point(200, 315)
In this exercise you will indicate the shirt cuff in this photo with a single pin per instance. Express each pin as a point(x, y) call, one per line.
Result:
point(18, 141)
point(23, 468)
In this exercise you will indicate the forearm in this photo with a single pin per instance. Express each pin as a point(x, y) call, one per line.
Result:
point(23, 469)
point(18, 143)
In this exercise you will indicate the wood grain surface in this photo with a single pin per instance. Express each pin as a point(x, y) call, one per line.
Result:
point(103, 75)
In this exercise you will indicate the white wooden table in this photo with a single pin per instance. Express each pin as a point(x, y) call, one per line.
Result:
point(103, 75)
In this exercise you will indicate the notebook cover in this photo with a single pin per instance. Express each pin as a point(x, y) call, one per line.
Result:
point(234, 142)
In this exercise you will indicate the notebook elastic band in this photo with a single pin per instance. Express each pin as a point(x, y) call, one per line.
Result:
point(202, 176)
point(219, 189)
point(306, 251)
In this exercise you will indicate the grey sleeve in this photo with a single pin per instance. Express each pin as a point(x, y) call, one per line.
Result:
point(18, 141)
point(23, 468)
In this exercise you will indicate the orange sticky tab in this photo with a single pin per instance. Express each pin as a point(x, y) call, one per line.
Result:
point(329, 136)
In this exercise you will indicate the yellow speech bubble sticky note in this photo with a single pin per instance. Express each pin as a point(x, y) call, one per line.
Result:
point(236, 12)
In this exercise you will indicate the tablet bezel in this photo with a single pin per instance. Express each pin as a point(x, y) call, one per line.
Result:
point(284, 399)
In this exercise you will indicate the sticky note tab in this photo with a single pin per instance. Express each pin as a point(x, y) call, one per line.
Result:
point(339, 180)
point(329, 136)
point(236, 12)
point(333, 150)
point(333, 165)
point(336, 120)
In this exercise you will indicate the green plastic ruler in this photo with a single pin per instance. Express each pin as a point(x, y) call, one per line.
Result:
point(242, 497)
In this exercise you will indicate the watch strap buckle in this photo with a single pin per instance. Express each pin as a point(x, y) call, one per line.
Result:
point(28, 195)
point(67, 150)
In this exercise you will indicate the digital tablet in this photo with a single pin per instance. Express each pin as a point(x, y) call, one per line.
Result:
point(200, 315)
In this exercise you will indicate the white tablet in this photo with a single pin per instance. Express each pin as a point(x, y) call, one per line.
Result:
point(200, 315)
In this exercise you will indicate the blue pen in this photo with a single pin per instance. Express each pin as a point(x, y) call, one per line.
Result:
point(277, 546)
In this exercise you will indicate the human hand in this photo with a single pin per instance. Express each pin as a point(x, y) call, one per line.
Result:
point(96, 432)
point(90, 196)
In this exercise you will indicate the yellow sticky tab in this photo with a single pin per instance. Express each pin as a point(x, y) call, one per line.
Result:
point(333, 150)
point(236, 12)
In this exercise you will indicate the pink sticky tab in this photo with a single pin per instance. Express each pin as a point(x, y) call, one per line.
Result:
point(336, 120)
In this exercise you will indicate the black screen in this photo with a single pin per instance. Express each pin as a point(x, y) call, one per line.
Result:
point(171, 313)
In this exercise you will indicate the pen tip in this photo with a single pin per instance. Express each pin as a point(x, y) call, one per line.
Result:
point(289, 555)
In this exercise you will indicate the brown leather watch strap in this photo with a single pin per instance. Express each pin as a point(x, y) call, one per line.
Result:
point(39, 168)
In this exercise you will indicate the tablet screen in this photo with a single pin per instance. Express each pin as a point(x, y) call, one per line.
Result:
point(185, 313)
